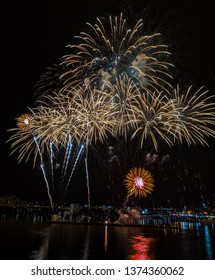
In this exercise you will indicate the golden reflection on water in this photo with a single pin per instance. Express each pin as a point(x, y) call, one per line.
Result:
point(106, 239)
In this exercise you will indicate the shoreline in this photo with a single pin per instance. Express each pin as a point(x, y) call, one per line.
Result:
point(113, 224)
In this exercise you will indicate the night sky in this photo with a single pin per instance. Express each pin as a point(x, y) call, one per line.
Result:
point(35, 34)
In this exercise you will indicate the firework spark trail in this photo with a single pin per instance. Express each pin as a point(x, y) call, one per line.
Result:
point(66, 160)
point(87, 179)
point(75, 163)
point(52, 164)
point(87, 173)
point(124, 204)
point(44, 175)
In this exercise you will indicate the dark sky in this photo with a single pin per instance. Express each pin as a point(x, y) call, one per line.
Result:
point(35, 34)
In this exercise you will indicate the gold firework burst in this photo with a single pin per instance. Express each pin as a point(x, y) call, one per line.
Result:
point(110, 49)
point(139, 182)
point(194, 115)
point(24, 122)
point(153, 114)
point(94, 113)
point(124, 96)
point(22, 138)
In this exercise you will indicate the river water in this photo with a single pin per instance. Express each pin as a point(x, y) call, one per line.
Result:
point(39, 240)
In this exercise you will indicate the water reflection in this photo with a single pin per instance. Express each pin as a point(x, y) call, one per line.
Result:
point(42, 253)
point(42, 241)
point(86, 245)
point(190, 225)
point(142, 248)
point(106, 239)
point(208, 243)
point(85, 242)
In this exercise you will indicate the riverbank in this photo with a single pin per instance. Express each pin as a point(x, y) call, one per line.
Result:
point(207, 221)
point(111, 224)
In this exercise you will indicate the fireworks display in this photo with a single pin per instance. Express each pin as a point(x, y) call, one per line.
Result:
point(153, 115)
point(49, 82)
point(139, 182)
point(194, 115)
point(112, 49)
point(22, 138)
point(24, 122)
point(114, 84)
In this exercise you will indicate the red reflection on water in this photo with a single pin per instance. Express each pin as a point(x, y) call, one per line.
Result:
point(141, 247)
